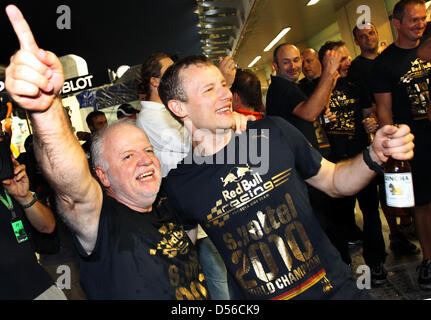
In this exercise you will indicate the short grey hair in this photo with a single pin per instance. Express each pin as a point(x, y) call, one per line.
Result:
point(97, 149)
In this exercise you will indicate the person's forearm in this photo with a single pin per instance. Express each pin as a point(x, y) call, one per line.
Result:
point(351, 176)
point(311, 109)
point(59, 153)
point(39, 215)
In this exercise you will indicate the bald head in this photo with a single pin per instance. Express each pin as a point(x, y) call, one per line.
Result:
point(287, 62)
point(311, 67)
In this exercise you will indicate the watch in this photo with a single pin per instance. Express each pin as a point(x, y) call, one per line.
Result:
point(371, 163)
point(32, 202)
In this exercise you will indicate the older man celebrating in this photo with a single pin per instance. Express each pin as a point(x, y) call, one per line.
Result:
point(130, 246)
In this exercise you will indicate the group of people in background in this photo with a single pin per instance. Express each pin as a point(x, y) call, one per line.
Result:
point(169, 202)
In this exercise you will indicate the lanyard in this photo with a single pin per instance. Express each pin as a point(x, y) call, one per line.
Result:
point(8, 203)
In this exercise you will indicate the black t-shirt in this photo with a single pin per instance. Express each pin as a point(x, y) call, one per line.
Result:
point(21, 277)
point(400, 72)
point(308, 86)
point(282, 98)
point(259, 216)
point(141, 256)
point(347, 134)
point(361, 71)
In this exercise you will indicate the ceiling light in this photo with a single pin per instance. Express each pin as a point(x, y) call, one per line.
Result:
point(277, 38)
point(254, 61)
point(312, 2)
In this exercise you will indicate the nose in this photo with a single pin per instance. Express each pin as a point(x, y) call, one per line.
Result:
point(145, 158)
point(225, 93)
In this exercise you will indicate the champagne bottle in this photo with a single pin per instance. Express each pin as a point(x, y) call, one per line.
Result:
point(399, 184)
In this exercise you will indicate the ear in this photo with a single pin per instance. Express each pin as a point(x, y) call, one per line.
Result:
point(396, 23)
point(275, 66)
point(155, 82)
point(177, 107)
point(103, 177)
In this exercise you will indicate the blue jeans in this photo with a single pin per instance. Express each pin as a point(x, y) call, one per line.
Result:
point(220, 284)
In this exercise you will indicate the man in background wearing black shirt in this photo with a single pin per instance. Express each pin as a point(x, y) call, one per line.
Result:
point(401, 88)
point(351, 104)
point(361, 71)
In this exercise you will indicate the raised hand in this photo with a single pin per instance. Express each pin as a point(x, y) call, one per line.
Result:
point(34, 76)
point(18, 186)
point(331, 62)
point(228, 69)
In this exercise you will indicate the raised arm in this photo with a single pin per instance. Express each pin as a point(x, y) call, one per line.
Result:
point(310, 109)
point(349, 177)
point(34, 79)
point(39, 215)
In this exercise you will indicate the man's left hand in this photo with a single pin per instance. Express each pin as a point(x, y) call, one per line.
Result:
point(228, 69)
point(392, 141)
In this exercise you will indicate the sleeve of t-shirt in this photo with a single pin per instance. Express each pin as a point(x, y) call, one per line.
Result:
point(380, 82)
point(101, 231)
point(285, 99)
point(307, 159)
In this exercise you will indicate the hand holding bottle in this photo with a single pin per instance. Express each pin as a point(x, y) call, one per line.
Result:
point(392, 141)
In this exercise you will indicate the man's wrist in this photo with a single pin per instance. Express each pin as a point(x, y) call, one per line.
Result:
point(369, 157)
point(27, 201)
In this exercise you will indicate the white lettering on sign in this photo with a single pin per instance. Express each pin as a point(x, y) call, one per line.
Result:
point(77, 84)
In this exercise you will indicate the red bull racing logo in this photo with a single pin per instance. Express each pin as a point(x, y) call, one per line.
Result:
point(242, 188)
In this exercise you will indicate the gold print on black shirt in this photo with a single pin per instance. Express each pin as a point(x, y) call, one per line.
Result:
point(173, 242)
point(242, 188)
point(416, 81)
point(343, 108)
point(256, 247)
point(187, 282)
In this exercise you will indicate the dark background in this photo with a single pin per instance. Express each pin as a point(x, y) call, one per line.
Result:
point(107, 34)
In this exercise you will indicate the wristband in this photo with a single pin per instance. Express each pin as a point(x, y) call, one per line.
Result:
point(32, 202)
point(371, 163)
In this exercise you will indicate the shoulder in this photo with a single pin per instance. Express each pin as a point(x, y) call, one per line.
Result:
point(276, 125)
point(280, 83)
point(388, 53)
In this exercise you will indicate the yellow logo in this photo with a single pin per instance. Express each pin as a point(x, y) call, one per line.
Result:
point(395, 191)
point(172, 243)
point(235, 174)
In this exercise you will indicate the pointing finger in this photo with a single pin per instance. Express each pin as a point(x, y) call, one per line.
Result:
point(21, 28)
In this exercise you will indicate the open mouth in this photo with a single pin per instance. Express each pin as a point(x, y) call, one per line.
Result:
point(145, 176)
point(223, 110)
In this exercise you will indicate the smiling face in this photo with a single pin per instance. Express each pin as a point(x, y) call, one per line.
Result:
point(367, 38)
point(412, 26)
point(133, 172)
point(209, 100)
point(288, 64)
